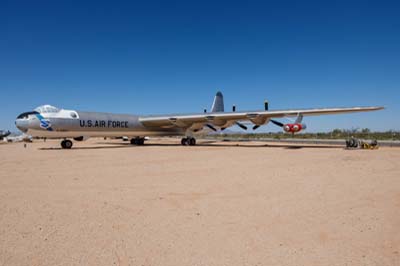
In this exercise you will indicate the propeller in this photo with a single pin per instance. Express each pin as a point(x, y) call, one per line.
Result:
point(211, 127)
point(241, 125)
point(279, 124)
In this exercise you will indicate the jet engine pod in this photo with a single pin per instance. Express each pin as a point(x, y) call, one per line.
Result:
point(293, 128)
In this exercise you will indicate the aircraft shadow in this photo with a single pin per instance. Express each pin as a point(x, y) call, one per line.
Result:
point(285, 146)
point(105, 145)
point(85, 148)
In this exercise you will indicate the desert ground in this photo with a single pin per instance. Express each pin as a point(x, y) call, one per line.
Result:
point(105, 202)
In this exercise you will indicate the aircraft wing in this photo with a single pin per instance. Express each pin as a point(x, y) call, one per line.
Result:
point(226, 119)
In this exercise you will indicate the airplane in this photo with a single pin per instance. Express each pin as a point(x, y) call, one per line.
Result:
point(47, 121)
point(4, 134)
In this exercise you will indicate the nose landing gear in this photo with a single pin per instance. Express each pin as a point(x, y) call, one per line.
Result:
point(188, 141)
point(66, 144)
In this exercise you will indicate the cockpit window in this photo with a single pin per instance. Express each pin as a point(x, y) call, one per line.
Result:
point(26, 115)
point(47, 109)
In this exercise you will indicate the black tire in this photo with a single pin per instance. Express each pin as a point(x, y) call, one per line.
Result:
point(140, 141)
point(352, 143)
point(192, 141)
point(348, 143)
point(63, 144)
point(184, 141)
point(67, 144)
point(133, 141)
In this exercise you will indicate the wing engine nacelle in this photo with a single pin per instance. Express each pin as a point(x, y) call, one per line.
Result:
point(294, 128)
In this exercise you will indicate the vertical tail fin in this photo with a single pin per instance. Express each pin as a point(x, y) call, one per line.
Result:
point(218, 104)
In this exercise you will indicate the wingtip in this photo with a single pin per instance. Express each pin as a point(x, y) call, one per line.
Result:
point(219, 94)
point(371, 108)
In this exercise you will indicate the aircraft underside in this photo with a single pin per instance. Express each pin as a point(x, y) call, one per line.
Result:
point(95, 134)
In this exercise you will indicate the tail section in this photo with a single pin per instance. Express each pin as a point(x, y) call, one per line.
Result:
point(218, 104)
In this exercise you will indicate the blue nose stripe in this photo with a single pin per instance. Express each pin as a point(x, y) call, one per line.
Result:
point(45, 124)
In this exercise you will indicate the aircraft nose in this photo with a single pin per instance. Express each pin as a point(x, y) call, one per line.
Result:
point(22, 124)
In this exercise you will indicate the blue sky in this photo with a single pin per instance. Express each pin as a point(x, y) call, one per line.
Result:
point(150, 57)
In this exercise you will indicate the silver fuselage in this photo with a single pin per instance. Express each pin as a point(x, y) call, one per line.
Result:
point(73, 124)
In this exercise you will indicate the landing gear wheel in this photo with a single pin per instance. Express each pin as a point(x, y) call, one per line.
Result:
point(137, 141)
point(184, 141)
point(188, 141)
point(192, 141)
point(66, 144)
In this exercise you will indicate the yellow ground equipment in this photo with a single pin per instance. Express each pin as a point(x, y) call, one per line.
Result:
point(353, 143)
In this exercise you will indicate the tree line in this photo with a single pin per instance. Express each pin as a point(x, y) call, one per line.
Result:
point(364, 133)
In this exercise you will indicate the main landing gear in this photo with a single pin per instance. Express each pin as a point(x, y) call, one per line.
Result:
point(137, 141)
point(188, 141)
point(66, 144)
